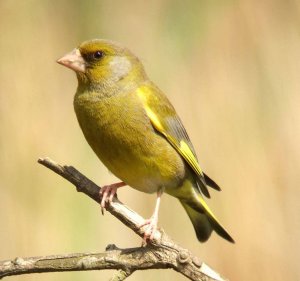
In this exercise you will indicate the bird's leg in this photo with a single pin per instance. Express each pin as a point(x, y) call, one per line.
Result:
point(152, 222)
point(108, 191)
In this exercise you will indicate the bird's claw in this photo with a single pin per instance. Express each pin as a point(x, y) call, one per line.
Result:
point(107, 192)
point(150, 229)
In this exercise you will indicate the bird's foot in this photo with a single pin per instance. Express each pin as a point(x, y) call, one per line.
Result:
point(108, 192)
point(150, 229)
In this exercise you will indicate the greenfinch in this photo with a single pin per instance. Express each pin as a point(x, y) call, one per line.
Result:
point(135, 131)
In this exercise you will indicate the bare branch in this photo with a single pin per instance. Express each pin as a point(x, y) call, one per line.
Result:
point(161, 253)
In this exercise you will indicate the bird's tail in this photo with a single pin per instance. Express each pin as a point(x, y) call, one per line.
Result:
point(203, 219)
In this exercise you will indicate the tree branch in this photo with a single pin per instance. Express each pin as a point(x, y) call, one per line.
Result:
point(161, 253)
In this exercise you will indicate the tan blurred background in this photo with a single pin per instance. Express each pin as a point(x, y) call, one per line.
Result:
point(231, 69)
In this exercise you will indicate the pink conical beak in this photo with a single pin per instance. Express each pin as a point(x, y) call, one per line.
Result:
point(73, 60)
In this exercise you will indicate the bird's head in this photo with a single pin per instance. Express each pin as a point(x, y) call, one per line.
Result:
point(103, 62)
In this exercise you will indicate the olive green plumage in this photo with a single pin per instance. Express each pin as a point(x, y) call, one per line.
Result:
point(135, 131)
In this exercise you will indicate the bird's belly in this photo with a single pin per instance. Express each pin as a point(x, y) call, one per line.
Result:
point(145, 166)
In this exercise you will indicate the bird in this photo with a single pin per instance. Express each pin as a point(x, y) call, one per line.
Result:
point(135, 131)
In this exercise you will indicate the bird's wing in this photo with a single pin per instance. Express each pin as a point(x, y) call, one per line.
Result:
point(166, 121)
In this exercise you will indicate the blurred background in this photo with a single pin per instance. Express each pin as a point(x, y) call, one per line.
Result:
point(231, 69)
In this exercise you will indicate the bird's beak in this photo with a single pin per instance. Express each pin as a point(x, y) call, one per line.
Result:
point(74, 61)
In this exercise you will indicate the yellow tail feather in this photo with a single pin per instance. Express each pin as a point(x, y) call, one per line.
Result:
point(203, 219)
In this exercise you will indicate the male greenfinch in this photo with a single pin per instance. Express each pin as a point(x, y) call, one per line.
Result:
point(135, 131)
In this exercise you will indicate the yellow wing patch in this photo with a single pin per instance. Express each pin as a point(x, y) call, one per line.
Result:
point(189, 156)
point(184, 150)
point(154, 119)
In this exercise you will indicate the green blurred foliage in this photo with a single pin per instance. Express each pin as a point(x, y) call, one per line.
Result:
point(231, 69)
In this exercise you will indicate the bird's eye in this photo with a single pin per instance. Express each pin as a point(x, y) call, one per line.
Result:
point(98, 55)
